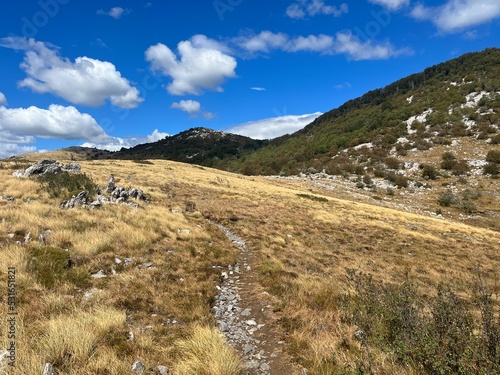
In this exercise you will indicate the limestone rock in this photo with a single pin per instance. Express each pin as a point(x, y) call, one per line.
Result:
point(48, 369)
point(162, 370)
point(138, 367)
point(45, 166)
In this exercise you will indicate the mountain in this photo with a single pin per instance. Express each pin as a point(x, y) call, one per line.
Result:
point(458, 98)
point(196, 146)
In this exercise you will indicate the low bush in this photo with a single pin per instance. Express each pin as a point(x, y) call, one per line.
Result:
point(447, 198)
point(433, 335)
point(64, 184)
point(52, 265)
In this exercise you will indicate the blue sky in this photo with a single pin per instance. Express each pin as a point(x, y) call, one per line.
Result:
point(115, 73)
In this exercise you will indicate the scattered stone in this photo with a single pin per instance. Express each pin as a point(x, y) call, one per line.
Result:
point(89, 295)
point(45, 166)
point(251, 322)
point(4, 357)
point(80, 200)
point(162, 370)
point(360, 335)
point(48, 369)
point(246, 312)
point(247, 348)
point(99, 275)
point(118, 261)
point(130, 336)
point(111, 184)
point(265, 367)
point(73, 167)
point(138, 367)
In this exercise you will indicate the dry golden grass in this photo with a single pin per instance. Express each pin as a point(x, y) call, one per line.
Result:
point(301, 248)
point(206, 353)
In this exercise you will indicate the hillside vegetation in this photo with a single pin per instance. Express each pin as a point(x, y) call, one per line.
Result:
point(457, 98)
point(354, 288)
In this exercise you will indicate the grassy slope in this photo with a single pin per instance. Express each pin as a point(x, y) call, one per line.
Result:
point(303, 247)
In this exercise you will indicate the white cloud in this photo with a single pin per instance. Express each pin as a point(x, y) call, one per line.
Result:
point(193, 108)
point(265, 41)
point(3, 99)
point(116, 143)
point(55, 122)
point(355, 49)
point(21, 126)
point(189, 106)
point(258, 88)
point(202, 65)
point(342, 43)
point(10, 149)
point(273, 127)
point(345, 85)
point(116, 12)
point(302, 8)
point(311, 43)
point(456, 15)
point(85, 81)
point(391, 4)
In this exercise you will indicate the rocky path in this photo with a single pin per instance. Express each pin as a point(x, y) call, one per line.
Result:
point(244, 315)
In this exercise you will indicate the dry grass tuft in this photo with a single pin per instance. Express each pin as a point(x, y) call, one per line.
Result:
point(206, 353)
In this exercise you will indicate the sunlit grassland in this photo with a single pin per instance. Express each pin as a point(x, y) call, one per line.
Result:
point(302, 248)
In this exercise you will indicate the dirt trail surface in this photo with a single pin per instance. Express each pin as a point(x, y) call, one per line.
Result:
point(245, 316)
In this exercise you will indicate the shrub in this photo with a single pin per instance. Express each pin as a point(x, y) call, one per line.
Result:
point(64, 184)
point(491, 168)
point(447, 198)
point(460, 168)
point(401, 181)
point(448, 160)
point(429, 172)
point(51, 265)
point(432, 335)
point(493, 156)
point(468, 206)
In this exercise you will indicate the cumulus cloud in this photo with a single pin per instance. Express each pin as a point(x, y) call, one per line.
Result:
point(9, 149)
point(274, 127)
point(116, 12)
point(391, 4)
point(342, 43)
point(85, 81)
point(3, 99)
point(202, 64)
point(116, 143)
point(193, 108)
point(20, 127)
point(189, 106)
point(55, 122)
point(303, 8)
point(456, 15)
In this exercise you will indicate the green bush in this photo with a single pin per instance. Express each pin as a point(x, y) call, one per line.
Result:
point(492, 168)
point(433, 335)
point(52, 265)
point(493, 156)
point(65, 185)
point(429, 172)
point(448, 160)
point(447, 198)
